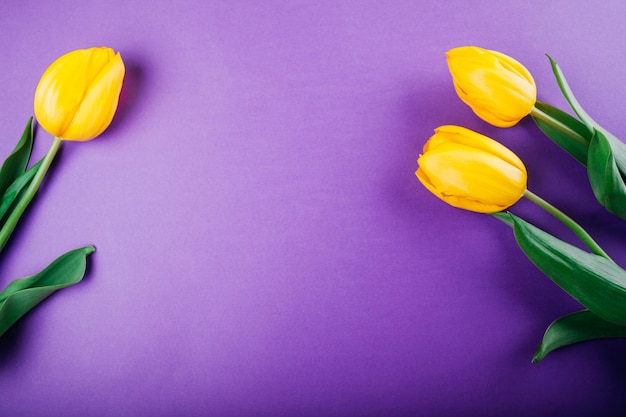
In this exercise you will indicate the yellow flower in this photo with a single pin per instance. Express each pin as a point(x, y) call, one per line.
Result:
point(471, 171)
point(77, 96)
point(500, 90)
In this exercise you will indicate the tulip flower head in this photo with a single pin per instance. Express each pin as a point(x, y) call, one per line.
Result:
point(471, 171)
point(77, 96)
point(499, 89)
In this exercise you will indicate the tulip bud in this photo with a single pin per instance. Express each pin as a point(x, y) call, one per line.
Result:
point(500, 90)
point(78, 94)
point(471, 171)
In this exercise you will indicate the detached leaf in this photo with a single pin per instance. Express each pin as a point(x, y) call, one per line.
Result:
point(16, 162)
point(574, 328)
point(576, 149)
point(21, 295)
point(594, 281)
point(605, 177)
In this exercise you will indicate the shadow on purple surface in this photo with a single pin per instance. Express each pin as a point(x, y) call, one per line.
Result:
point(11, 341)
point(133, 82)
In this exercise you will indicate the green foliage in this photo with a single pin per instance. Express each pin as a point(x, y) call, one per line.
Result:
point(566, 123)
point(16, 162)
point(21, 295)
point(593, 280)
point(17, 187)
point(575, 328)
point(607, 181)
point(602, 153)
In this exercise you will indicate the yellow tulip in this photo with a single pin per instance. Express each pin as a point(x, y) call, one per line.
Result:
point(471, 171)
point(78, 94)
point(499, 89)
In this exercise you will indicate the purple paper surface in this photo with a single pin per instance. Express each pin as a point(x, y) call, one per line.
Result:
point(263, 246)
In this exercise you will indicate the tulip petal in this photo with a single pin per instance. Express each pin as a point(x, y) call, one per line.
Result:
point(513, 66)
point(471, 171)
point(464, 175)
point(466, 137)
point(62, 87)
point(496, 87)
point(99, 103)
point(71, 90)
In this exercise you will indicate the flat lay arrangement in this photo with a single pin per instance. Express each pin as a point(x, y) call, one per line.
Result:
point(473, 172)
point(312, 208)
point(75, 100)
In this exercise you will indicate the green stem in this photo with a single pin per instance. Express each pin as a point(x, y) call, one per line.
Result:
point(29, 193)
point(558, 125)
point(566, 220)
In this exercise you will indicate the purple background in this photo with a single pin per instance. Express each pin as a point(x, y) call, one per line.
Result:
point(264, 248)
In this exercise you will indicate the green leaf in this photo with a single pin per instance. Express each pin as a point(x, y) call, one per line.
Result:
point(16, 162)
point(21, 295)
point(606, 160)
point(618, 148)
point(594, 281)
point(569, 96)
point(505, 217)
point(575, 148)
point(574, 328)
point(11, 194)
point(605, 177)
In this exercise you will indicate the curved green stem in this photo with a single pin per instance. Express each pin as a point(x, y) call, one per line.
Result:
point(558, 125)
point(29, 193)
point(566, 220)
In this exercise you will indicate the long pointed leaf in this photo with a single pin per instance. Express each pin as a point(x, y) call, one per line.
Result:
point(618, 148)
point(21, 295)
point(594, 281)
point(11, 194)
point(576, 149)
point(605, 177)
point(574, 328)
point(607, 155)
point(569, 95)
point(16, 162)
